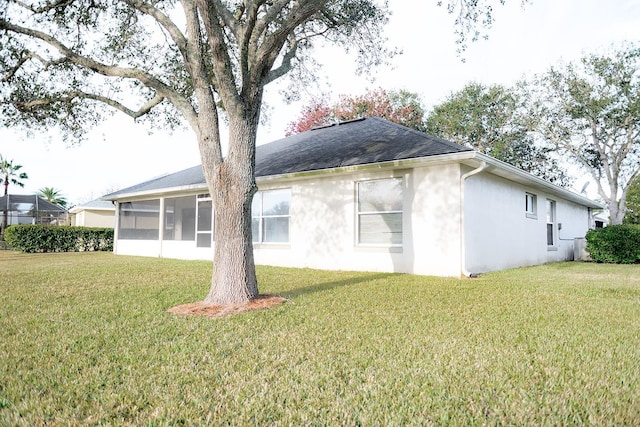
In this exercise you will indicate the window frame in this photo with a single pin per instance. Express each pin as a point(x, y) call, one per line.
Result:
point(531, 205)
point(261, 218)
point(141, 214)
point(360, 214)
point(551, 222)
point(204, 198)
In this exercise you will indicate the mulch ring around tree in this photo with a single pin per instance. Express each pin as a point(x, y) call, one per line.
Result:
point(214, 310)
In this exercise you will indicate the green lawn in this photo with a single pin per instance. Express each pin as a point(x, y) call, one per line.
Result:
point(85, 339)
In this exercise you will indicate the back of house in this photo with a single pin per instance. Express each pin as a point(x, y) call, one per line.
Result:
point(367, 195)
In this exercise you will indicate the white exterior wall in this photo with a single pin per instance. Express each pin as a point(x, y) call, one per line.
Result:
point(433, 223)
point(499, 234)
point(323, 220)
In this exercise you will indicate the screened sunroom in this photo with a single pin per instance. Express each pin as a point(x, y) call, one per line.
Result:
point(30, 209)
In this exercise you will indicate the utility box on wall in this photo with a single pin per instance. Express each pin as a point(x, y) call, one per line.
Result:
point(580, 249)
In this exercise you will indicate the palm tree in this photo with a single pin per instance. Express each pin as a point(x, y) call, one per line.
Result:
point(9, 173)
point(54, 196)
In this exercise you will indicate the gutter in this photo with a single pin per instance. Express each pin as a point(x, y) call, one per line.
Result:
point(463, 247)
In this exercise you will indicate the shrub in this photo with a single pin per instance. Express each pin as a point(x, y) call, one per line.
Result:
point(619, 244)
point(43, 238)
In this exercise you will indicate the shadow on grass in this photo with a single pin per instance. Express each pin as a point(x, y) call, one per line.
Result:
point(321, 287)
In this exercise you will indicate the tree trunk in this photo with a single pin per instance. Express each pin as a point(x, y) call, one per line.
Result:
point(232, 188)
point(616, 215)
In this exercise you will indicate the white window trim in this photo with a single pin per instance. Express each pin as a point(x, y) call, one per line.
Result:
point(394, 247)
point(262, 217)
point(531, 209)
point(554, 225)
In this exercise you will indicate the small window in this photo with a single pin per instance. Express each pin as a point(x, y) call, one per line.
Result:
point(551, 223)
point(270, 216)
point(380, 212)
point(530, 205)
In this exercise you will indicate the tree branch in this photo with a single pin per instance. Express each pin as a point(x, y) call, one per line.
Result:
point(165, 22)
point(45, 8)
point(231, 21)
point(270, 48)
point(147, 79)
point(70, 96)
point(286, 64)
point(224, 78)
point(210, 151)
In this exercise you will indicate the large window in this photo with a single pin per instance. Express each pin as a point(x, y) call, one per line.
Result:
point(380, 212)
point(139, 220)
point(551, 223)
point(180, 218)
point(270, 216)
point(204, 221)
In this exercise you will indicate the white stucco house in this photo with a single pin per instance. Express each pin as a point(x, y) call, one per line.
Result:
point(95, 213)
point(367, 195)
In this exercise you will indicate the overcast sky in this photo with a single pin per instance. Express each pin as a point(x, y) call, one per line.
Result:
point(522, 42)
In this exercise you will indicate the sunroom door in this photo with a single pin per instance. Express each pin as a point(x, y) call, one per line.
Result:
point(204, 221)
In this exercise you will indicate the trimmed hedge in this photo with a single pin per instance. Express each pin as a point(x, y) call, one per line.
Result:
point(44, 238)
point(617, 244)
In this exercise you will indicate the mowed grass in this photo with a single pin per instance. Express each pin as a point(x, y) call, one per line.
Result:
point(85, 340)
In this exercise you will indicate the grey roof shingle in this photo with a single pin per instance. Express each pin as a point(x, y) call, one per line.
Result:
point(96, 204)
point(191, 176)
point(356, 142)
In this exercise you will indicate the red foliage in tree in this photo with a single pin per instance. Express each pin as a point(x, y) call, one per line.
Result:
point(400, 107)
point(317, 113)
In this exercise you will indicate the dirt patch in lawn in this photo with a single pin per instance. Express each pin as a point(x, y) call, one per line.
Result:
point(212, 310)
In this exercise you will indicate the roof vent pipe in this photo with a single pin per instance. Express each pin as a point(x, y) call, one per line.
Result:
point(463, 246)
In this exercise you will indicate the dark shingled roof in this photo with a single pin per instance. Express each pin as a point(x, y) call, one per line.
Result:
point(356, 142)
point(191, 176)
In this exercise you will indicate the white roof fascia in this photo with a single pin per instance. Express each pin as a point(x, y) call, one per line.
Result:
point(162, 192)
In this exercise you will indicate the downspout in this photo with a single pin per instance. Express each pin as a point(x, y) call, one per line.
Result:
point(463, 248)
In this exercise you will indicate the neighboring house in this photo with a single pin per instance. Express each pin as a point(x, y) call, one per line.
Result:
point(31, 209)
point(367, 195)
point(600, 221)
point(96, 213)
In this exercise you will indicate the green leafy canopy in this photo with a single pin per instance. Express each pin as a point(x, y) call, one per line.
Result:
point(492, 120)
point(590, 111)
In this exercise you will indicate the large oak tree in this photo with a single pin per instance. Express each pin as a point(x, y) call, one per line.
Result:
point(66, 62)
